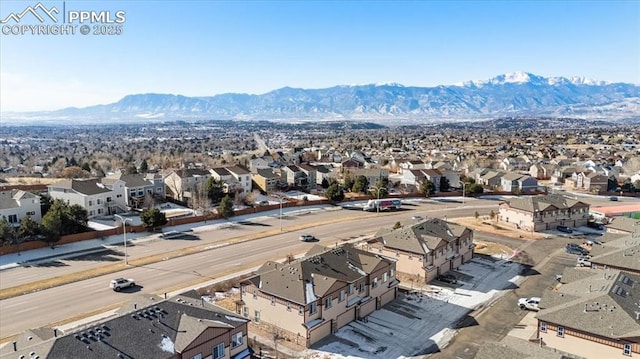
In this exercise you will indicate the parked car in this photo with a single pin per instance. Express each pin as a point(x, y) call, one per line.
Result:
point(532, 303)
point(120, 283)
point(595, 225)
point(584, 262)
point(564, 229)
point(613, 198)
point(307, 238)
point(448, 278)
point(416, 218)
point(573, 248)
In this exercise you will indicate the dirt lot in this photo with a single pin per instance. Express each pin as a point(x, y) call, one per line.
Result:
point(488, 226)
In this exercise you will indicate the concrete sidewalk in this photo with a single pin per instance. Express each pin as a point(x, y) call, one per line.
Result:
point(34, 256)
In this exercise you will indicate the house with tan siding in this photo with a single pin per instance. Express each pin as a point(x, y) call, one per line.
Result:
point(592, 313)
point(426, 249)
point(539, 213)
point(310, 298)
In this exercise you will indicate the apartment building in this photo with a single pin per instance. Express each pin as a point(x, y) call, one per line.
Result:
point(539, 213)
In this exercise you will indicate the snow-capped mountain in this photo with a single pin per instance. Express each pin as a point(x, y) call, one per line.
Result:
point(511, 94)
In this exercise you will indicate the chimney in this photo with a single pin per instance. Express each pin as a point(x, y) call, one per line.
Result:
point(135, 306)
point(55, 332)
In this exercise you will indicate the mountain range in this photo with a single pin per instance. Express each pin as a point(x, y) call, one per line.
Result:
point(511, 94)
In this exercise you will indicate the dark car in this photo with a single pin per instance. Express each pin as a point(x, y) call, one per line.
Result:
point(448, 278)
point(564, 229)
point(595, 225)
point(572, 248)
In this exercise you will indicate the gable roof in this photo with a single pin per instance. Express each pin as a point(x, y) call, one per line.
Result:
point(423, 237)
point(131, 180)
point(305, 280)
point(604, 304)
point(87, 187)
point(9, 198)
point(542, 202)
point(157, 330)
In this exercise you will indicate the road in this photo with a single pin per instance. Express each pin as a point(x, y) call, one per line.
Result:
point(88, 296)
point(72, 300)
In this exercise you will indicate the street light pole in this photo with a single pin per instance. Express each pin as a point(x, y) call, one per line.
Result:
point(124, 234)
point(280, 213)
point(378, 203)
point(464, 190)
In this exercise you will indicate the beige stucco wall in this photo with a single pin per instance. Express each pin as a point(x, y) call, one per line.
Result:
point(277, 314)
point(543, 220)
point(582, 347)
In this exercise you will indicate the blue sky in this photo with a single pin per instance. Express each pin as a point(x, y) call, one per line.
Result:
point(201, 48)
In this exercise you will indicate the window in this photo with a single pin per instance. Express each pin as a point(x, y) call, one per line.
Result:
point(31, 213)
point(341, 296)
point(328, 302)
point(13, 218)
point(300, 309)
point(375, 283)
point(392, 273)
point(626, 350)
point(245, 312)
point(255, 294)
point(118, 196)
point(236, 339)
point(273, 300)
point(561, 332)
point(256, 316)
point(99, 210)
point(351, 288)
point(288, 307)
point(314, 308)
point(361, 288)
point(218, 351)
point(109, 199)
point(98, 201)
point(92, 213)
point(197, 356)
point(385, 277)
point(90, 202)
point(543, 327)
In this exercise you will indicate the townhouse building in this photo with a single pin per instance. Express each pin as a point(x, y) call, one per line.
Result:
point(539, 213)
point(312, 297)
point(235, 179)
point(592, 313)
point(267, 180)
point(514, 182)
point(97, 198)
point(148, 327)
point(137, 187)
point(427, 249)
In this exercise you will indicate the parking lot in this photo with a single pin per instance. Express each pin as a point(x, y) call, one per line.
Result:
point(435, 312)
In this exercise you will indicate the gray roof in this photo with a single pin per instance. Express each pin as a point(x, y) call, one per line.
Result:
point(238, 170)
point(541, 203)
point(267, 173)
point(422, 237)
point(626, 224)
point(9, 198)
point(321, 268)
point(131, 180)
point(156, 331)
point(86, 187)
point(627, 257)
point(604, 303)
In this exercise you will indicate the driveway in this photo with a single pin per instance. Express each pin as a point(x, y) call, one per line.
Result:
point(436, 313)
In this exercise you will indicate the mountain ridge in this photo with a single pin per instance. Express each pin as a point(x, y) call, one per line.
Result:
point(511, 94)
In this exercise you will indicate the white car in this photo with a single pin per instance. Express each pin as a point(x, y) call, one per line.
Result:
point(307, 238)
point(120, 283)
point(529, 303)
point(584, 261)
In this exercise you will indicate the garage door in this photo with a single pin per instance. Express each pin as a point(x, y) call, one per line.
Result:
point(367, 308)
point(346, 317)
point(457, 262)
point(320, 332)
point(388, 296)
